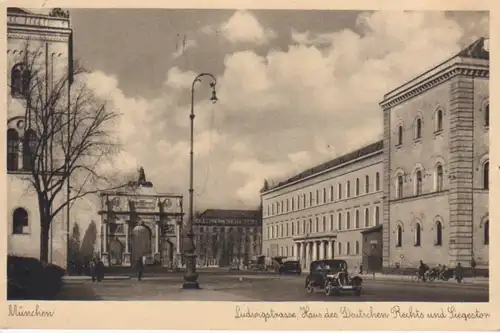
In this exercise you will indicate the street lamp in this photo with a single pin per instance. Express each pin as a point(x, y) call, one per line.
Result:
point(191, 277)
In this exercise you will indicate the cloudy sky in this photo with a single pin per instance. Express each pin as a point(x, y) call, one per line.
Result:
point(296, 88)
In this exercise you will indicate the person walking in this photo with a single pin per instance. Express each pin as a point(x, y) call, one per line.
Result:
point(473, 266)
point(92, 266)
point(459, 274)
point(139, 268)
point(422, 268)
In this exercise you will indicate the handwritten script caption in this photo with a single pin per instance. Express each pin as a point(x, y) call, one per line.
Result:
point(351, 312)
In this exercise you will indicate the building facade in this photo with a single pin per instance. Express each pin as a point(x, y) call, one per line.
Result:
point(436, 164)
point(226, 236)
point(37, 45)
point(321, 212)
point(139, 223)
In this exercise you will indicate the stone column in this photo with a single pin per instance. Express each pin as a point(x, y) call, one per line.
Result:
point(178, 243)
point(307, 254)
point(157, 243)
point(315, 251)
point(126, 255)
point(329, 250)
point(105, 237)
point(321, 250)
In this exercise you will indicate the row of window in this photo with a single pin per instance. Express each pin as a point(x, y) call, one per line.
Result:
point(438, 125)
point(439, 179)
point(321, 196)
point(287, 229)
point(29, 146)
point(438, 241)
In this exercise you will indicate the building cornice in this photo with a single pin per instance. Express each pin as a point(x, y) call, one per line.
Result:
point(459, 66)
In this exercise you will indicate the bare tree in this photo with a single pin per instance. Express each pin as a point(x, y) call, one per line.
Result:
point(66, 137)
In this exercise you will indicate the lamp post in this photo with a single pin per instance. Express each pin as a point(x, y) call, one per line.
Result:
point(191, 278)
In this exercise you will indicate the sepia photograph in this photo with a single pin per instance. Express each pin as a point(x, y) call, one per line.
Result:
point(243, 155)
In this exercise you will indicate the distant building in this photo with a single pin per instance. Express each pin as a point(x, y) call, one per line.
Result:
point(321, 212)
point(44, 38)
point(436, 164)
point(225, 236)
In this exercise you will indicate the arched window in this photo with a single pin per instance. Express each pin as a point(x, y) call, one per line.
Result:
point(439, 233)
point(339, 189)
point(324, 223)
point(377, 215)
point(439, 178)
point(310, 199)
point(310, 226)
point(357, 247)
point(399, 236)
point(367, 184)
point(348, 248)
point(331, 222)
point(339, 221)
point(418, 128)
point(348, 189)
point(293, 228)
point(29, 149)
point(12, 150)
point(487, 115)
point(377, 181)
point(367, 217)
point(400, 135)
point(356, 221)
point(324, 195)
point(348, 220)
point(418, 235)
point(399, 190)
point(418, 182)
point(486, 175)
point(20, 221)
point(439, 120)
point(357, 186)
point(332, 196)
point(487, 232)
point(20, 80)
point(317, 224)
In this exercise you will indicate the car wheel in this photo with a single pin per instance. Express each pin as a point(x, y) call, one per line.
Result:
point(328, 289)
point(310, 288)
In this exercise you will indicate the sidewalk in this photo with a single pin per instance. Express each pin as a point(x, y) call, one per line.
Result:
point(408, 278)
point(88, 278)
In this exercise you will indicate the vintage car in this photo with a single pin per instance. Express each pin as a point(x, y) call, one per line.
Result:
point(290, 267)
point(331, 275)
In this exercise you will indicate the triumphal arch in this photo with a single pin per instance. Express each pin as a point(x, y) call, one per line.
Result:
point(137, 222)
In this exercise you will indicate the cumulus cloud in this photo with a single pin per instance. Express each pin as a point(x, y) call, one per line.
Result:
point(242, 27)
point(282, 111)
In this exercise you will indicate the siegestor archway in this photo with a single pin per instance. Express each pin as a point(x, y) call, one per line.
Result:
point(140, 242)
point(115, 252)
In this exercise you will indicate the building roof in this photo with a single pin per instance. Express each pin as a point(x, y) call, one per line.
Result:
point(229, 213)
point(16, 10)
point(349, 157)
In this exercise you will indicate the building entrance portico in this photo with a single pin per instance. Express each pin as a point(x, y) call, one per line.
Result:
point(313, 248)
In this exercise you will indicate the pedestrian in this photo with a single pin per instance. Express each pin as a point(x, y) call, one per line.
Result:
point(99, 270)
point(473, 266)
point(139, 268)
point(459, 274)
point(92, 266)
point(422, 268)
point(361, 268)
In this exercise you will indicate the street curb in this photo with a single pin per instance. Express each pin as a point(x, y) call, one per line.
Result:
point(408, 278)
point(88, 278)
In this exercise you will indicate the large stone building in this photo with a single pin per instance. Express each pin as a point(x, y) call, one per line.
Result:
point(139, 223)
point(36, 45)
point(428, 181)
point(226, 236)
point(321, 212)
point(436, 169)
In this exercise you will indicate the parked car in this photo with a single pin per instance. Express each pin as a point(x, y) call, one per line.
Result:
point(332, 277)
point(290, 267)
point(234, 267)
